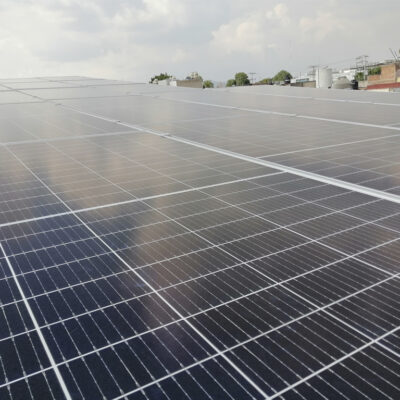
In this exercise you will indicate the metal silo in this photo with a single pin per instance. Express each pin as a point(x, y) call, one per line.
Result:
point(324, 78)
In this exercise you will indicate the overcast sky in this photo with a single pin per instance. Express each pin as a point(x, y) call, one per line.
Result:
point(134, 39)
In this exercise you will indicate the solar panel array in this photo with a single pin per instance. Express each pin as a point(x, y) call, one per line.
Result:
point(169, 243)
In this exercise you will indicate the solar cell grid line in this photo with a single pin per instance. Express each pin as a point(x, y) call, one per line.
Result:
point(338, 170)
point(384, 127)
point(136, 200)
point(283, 282)
point(298, 293)
point(370, 164)
point(37, 329)
point(332, 168)
point(332, 181)
point(347, 355)
point(345, 100)
point(157, 171)
point(86, 124)
point(16, 253)
point(293, 114)
point(329, 366)
point(195, 163)
point(301, 296)
point(363, 384)
point(48, 292)
point(161, 297)
point(41, 126)
point(353, 187)
point(305, 340)
point(312, 239)
point(147, 167)
point(67, 138)
point(375, 179)
point(368, 203)
point(271, 143)
point(332, 146)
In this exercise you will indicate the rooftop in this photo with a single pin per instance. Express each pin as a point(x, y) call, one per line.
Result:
point(159, 242)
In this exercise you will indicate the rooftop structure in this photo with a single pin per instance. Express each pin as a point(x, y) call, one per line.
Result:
point(388, 78)
point(161, 242)
point(192, 81)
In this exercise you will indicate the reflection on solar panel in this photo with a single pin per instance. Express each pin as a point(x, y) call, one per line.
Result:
point(168, 243)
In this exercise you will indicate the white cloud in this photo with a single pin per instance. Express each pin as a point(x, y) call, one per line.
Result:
point(279, 13)
point(253, 33)
point(322, 25)
point(133, 39)
point(240, 36)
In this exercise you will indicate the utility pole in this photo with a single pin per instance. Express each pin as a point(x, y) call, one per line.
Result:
point(313, 69)
point(361, 64)
point(252, 76)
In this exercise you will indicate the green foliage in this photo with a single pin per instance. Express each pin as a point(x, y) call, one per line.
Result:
point(208, 84)
point(160, 77)
point(231, 82)
point(199, 77)
point(359, 76)
point(374, 71)
point(282, 76)
point(265, 81)
point(241, 79)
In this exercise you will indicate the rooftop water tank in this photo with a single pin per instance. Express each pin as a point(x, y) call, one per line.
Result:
point(324, 78)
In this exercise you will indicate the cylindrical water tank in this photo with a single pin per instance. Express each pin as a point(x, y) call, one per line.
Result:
point(324, 78)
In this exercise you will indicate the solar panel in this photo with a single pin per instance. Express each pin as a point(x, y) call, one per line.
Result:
point(168, 243)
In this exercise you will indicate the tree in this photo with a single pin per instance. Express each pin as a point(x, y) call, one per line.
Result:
point(231, 82)
point(374, 71)
point(282, 76)
point(160, 77)
point(241, 79)
point(359, 76)
point(194, 75)
point(208, 84)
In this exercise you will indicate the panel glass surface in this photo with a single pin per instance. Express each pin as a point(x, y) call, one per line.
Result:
point(135, 265)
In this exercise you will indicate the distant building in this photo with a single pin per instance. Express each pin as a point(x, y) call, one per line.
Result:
point(303, 82)
point(387, 80)
point(190, 83)
point(194, 80)
point(344, 73)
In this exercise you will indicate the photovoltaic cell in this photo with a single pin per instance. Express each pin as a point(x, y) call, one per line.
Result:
point(135, 265)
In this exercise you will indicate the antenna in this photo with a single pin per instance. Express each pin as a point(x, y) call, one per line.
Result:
point(361, 64)
point(252, 76)
point(313, 68)
point(393, 54)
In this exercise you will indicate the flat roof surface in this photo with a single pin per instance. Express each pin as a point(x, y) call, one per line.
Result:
point(172, 243)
